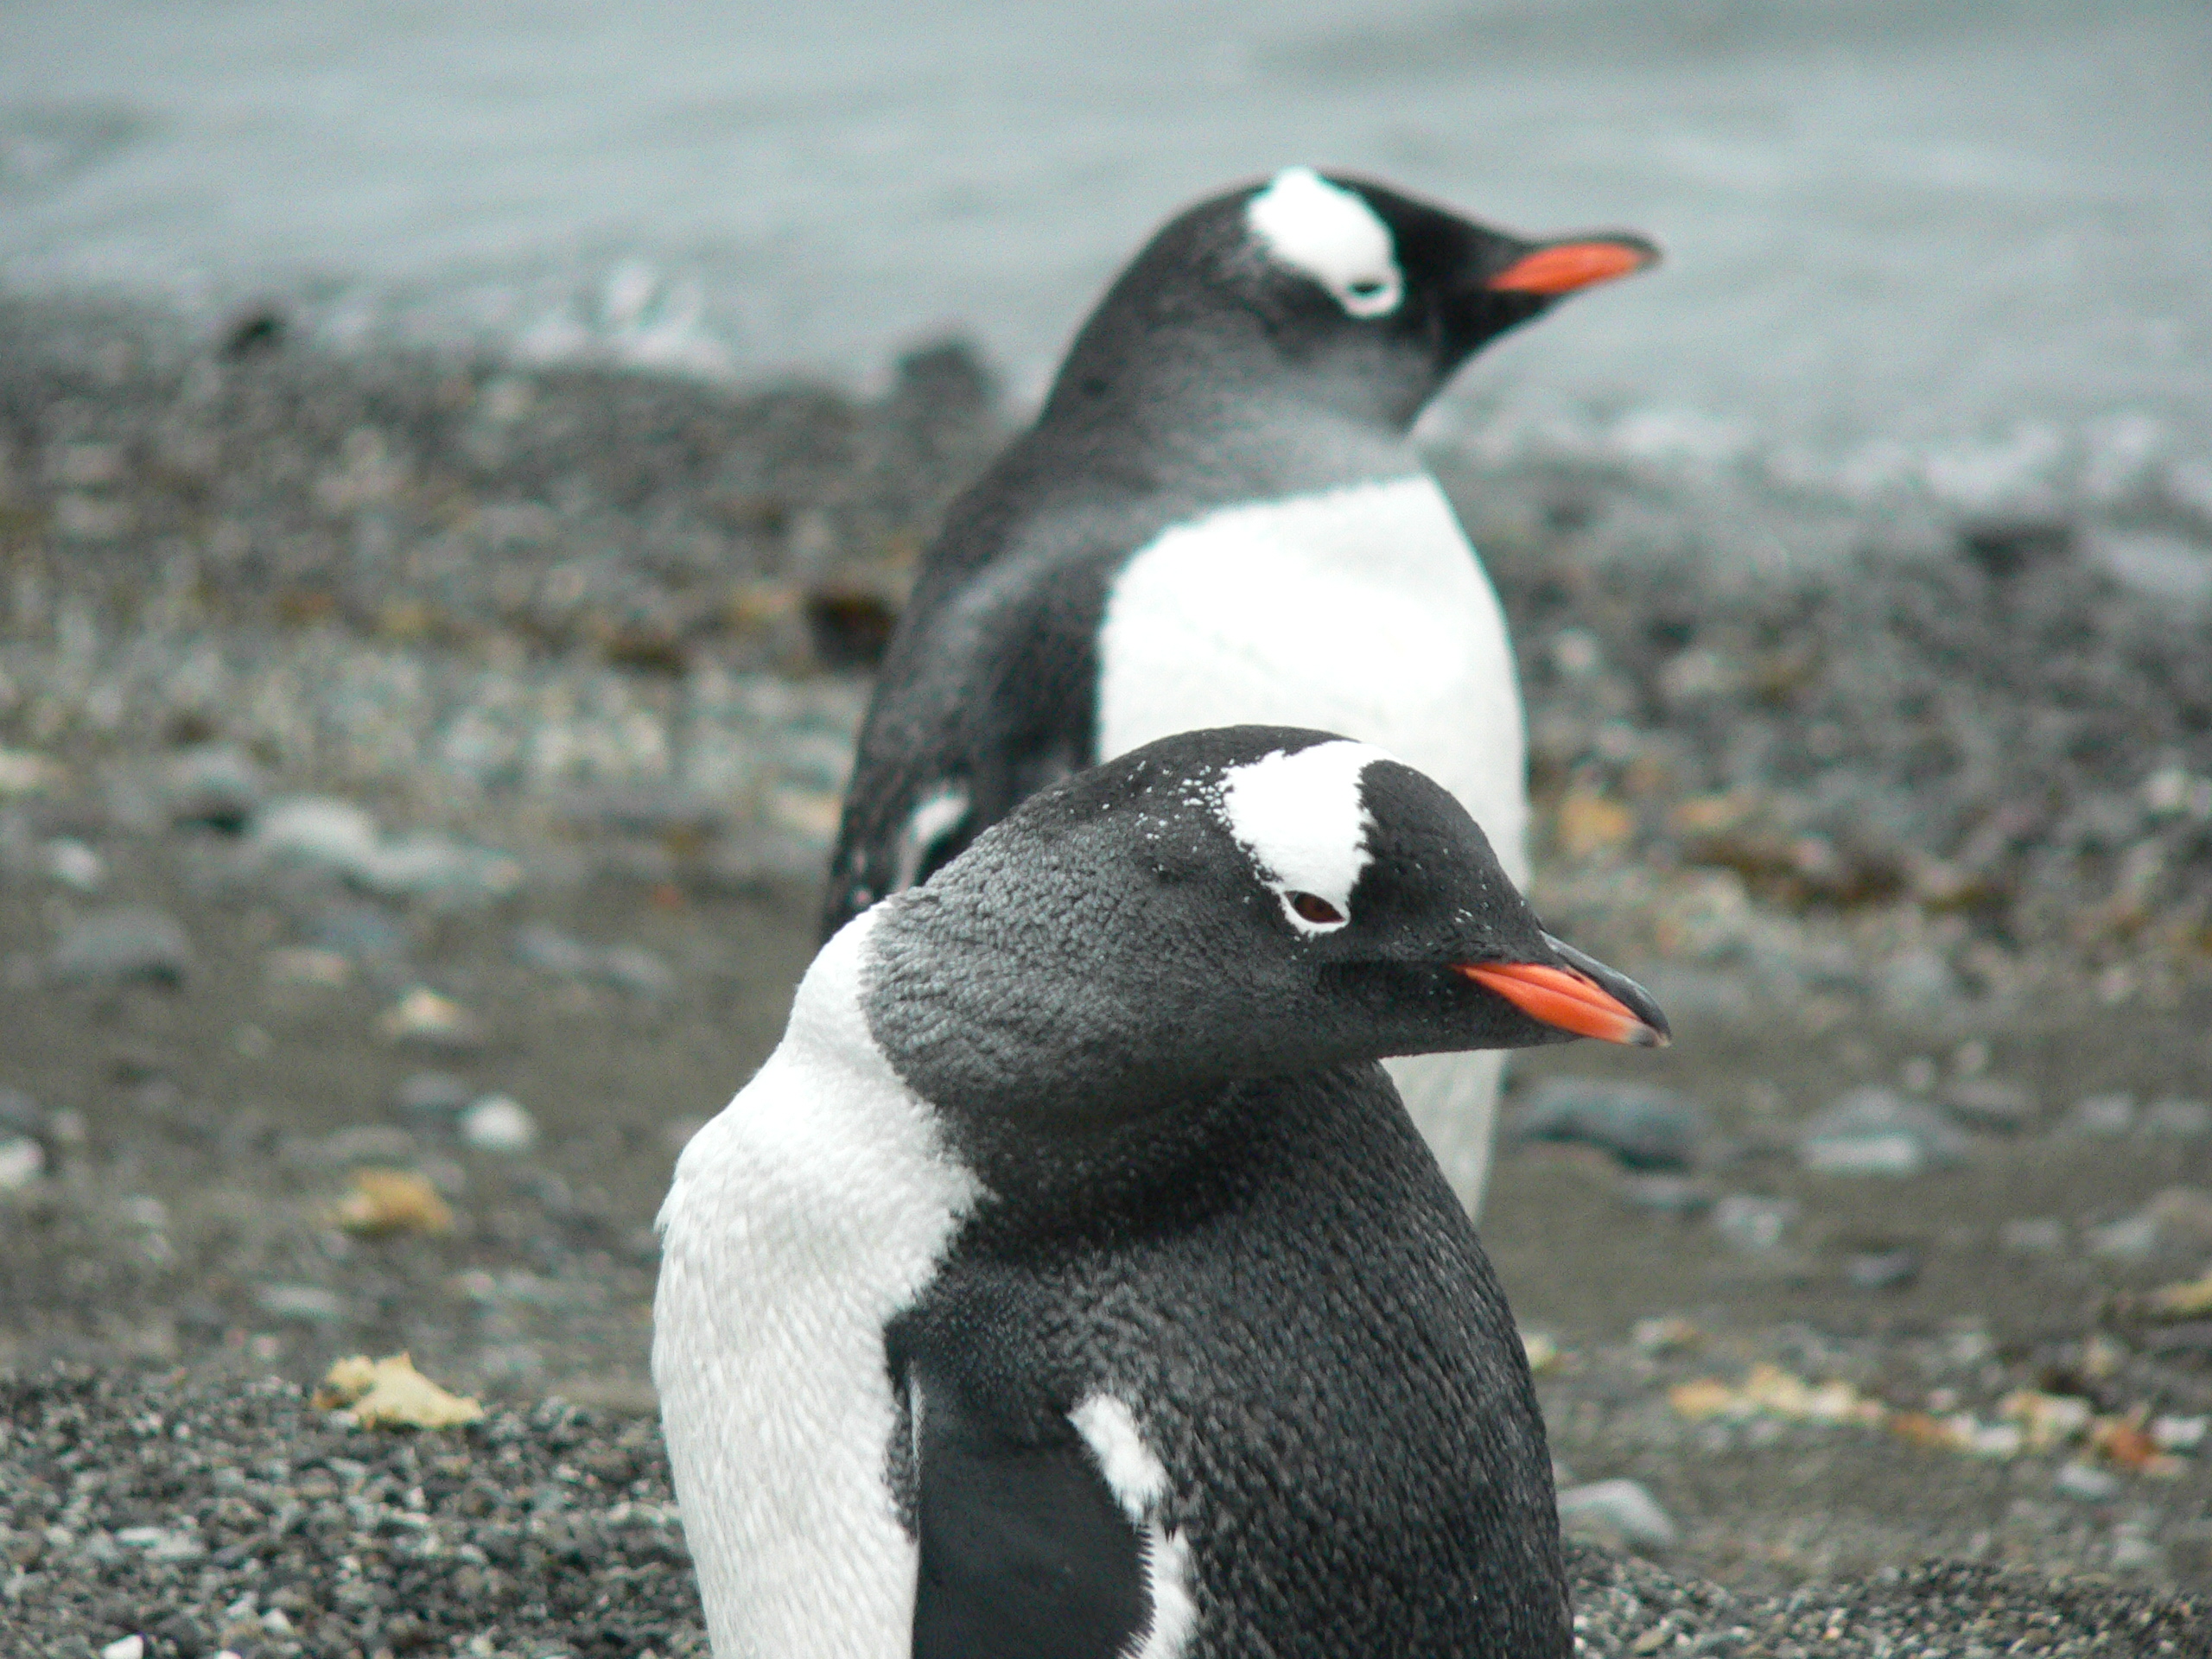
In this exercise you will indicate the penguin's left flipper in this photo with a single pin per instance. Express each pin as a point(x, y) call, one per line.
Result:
point(1024, 1552)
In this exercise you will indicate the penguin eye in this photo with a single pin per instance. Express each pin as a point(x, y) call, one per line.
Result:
point(1314, 908)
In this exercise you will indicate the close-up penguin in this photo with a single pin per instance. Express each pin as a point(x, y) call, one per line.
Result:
point(1219, 516)
point(1070, 1282)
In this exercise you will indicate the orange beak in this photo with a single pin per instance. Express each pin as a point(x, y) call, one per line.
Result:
point(1562, 998)
point(1565, 267)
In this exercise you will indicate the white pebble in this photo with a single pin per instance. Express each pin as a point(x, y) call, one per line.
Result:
point(74, 865)
point(1623, 1508)
point(2087, 1482)
point(21, 1159)
point(497, 1123)
point(2179, 1433)
point(130, 1647)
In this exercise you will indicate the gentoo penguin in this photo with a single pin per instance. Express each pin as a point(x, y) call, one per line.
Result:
point(1219, 517)
point(1070, 1282)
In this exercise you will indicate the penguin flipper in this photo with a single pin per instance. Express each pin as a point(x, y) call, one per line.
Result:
point(987, 695)
point(1024, 1552)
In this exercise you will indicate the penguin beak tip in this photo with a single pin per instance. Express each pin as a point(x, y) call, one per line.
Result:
point(1568, 999)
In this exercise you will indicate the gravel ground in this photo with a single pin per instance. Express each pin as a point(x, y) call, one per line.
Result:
point(192, 1516)
point(413, 777)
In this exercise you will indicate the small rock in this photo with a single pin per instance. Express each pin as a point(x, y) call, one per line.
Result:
point(497, 1123)
point(1617, 1514)
point(74, 865)
point(23, 772)
point(125, 944)
point(2186, 1119)
point(316, 832)
point(2101, 1114)
point(2179, 1218)
point(161, 1543)
point(128, 1647)
point(437, 1096)
point(1753, 1223)
point(422, 1018)
point(306, 1304)
point(1989, 1103)
point(1881, 1269)
point(2086, 1482)
point(22, 1161)
point(2133, 1238)
point(631, 968)
point(2133, 1551)
point(1644, 1126)
point(550, 950)
point(2179, 1433)
point(1917, 981)
point(1879, 1132)
point(1665, 1334)
point(449, 872)
point(214, 786)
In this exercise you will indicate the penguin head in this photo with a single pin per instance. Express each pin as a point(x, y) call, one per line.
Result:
point(1219, 905)
point(1359, 297)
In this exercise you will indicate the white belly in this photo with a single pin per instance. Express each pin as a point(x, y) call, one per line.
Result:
point(1362, 611)
point(804, 1216)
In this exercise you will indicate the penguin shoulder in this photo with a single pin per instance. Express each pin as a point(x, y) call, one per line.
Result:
point(826, 1120)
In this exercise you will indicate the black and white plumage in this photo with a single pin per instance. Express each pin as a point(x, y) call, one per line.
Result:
point(1070, 1281)
point(1219, 517)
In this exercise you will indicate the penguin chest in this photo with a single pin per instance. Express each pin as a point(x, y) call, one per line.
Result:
point(1361, 610)
point(800, 1222)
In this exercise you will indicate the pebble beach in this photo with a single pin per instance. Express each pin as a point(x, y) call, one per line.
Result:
point(415, 774)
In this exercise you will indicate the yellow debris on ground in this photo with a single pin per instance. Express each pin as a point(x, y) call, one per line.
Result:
point(2028, 1422)
point(390, 1392)
point(2050, 1420)
point(1769, 1391)
point(2184, 1301)
point(393, 1201)
point(1589, 823)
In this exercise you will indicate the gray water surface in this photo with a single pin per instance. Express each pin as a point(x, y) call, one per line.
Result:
point(1958, 254)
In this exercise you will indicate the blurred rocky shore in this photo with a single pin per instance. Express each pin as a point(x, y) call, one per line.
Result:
point(471, 597)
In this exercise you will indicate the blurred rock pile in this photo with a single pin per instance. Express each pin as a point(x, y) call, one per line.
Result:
point(242, 570)
point(1923, 778)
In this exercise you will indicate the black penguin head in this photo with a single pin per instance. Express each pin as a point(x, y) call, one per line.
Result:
point(1364, 298)
point(1219, 905)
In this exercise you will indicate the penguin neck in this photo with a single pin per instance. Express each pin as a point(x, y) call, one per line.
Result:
point(1042, 1170)
point(1213, 400)
point(1046, 1066)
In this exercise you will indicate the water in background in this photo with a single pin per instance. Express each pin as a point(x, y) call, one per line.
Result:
point(1922, 258)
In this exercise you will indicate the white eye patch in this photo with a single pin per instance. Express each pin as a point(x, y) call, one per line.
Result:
point(1305, 822)
point(1333, 236)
